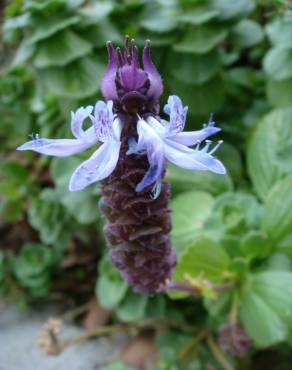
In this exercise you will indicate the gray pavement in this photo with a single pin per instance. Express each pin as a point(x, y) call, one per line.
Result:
point(18, 349)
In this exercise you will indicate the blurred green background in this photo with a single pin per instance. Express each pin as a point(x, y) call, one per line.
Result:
point(232, 58)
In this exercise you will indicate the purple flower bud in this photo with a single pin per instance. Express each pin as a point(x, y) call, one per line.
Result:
point(130, 86)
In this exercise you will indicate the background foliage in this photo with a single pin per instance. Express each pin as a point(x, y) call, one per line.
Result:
point(233, 58)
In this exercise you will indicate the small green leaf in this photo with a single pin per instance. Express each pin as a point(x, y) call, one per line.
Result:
point(255, 244)
point(280, 93)
point(266, 307)
point(201, 39)
point(277, 213)
point(110, 287)
point(278, 64)
point(203, 257)
point(279, 31)
point(86, 201)
point(246, 33)
point(160, 16)
point(61, 49)
point(189, 211)
point(132, 307)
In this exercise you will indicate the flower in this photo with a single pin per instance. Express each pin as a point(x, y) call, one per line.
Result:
point(126, 83)
point(164, 140)
point(106, 128)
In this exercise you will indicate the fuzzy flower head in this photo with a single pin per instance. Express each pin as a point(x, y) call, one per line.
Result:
point(129, 85)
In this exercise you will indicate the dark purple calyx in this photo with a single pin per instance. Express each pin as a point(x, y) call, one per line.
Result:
point(133, 89)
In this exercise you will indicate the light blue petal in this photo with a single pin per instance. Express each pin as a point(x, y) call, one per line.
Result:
point(100, 165)
point(103, 120)
point(77, 119)
point(195, 137)
point(191, 159)
point(154, 147)
point(56, 147)
point(177, 114)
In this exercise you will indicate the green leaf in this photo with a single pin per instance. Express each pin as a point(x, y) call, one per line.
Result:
point(198, 15)
point(23, 53)
point(278, 64)
point(203, 257)
point(110, 287)
point(194, 69)
point(266, 307)
point(189, 211)
point(246, 33)
point(96, 12)
point(43, 213)
point(133, 307)
point(262, 155)
point(280, 93)
point(78, 80)
point(255, 244)
point(61, 49)
point(183, 180)
point(86, 201)
point(201, 39)
point(277, 214)
point(201, 99)
point(48, 26)
point(232, 9)
point(279, 31)
point(160, 16)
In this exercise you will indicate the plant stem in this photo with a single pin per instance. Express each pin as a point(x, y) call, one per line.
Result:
point(218, 354)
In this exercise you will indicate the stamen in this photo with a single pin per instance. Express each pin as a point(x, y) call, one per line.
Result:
point(216, 147)
point(211, 120)
point(207, 146)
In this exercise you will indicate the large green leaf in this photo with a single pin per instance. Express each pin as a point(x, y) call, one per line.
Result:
point(264, 164)
point(184, 180)
point(79, 79)
point(203, 257)
point(266, 307)
point(47, 26)
point(195, 69)
point(246, 33)
point(201, 99)
point(190, 210)
point(201, 39)
point(277, 215)
point(279, 31)
point(278, 64)
point(61, 49)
